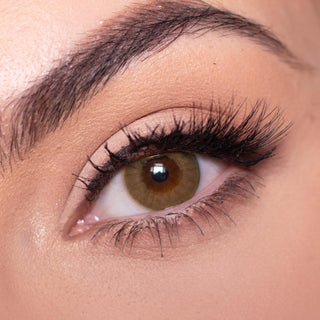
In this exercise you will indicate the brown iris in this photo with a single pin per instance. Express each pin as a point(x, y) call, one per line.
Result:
point(164, 180)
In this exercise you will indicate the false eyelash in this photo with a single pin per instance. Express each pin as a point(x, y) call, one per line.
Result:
point(210, 208)
point(215, 133)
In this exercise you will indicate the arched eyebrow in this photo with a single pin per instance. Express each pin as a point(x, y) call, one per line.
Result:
point(142, 29)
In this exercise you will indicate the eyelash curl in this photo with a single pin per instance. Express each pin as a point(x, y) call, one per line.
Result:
point(216, 133)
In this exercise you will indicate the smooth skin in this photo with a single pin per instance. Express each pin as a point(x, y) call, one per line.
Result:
point(267, 267)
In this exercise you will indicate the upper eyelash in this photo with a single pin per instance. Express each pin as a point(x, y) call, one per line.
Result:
point(212, 133)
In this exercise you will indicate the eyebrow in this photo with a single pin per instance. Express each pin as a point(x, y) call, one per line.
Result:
point(141, 29)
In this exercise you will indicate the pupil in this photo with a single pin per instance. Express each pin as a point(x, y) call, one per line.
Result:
point(159, 172)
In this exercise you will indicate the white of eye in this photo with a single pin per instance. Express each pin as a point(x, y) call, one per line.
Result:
point(114, 201)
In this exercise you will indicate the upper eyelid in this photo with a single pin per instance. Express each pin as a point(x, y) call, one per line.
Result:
point(63, 90)
point(255, 137)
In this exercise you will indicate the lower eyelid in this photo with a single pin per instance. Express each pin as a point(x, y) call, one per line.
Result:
point(206, 218)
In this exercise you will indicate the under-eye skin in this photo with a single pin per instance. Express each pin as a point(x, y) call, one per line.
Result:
point(163, 195)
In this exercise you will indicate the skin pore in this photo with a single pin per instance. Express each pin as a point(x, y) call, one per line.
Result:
point(265, 267)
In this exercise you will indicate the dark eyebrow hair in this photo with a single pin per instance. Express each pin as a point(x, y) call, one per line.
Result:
point(141, 29)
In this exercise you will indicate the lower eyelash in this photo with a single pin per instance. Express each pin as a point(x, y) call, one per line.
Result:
point(207, 210)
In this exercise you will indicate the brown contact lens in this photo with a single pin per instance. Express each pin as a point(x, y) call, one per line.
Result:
point(163, 180)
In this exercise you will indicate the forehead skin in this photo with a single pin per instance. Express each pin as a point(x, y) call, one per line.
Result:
point(267, 268)
point(44, 30)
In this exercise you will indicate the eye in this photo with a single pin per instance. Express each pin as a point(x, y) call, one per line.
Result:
point(172, 172)
point(157, 184)
point(162, 181)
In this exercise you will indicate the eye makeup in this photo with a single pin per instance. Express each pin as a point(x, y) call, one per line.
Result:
point(226, 134)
